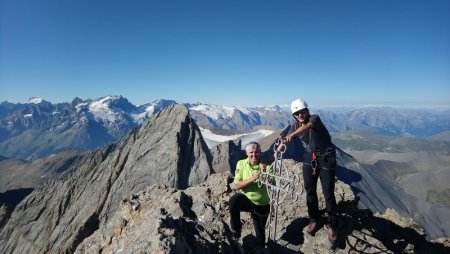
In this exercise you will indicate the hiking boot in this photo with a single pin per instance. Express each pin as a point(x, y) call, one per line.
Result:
point(332, 235)
point(312, 228)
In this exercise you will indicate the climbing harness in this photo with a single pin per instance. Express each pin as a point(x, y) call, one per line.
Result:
point(279, 186)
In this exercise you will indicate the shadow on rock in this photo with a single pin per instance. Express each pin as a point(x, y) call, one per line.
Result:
point(294, 234)
point(9, 200)
point(360, 230)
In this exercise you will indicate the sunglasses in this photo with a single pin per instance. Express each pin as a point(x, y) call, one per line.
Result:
point(303, 112)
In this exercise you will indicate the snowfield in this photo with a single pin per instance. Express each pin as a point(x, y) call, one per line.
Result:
point(212, 139)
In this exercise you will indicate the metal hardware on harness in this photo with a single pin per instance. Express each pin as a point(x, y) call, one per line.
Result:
point(279, 182)
point(314, 162)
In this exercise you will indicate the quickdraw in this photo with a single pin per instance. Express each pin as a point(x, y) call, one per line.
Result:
point(279, 182)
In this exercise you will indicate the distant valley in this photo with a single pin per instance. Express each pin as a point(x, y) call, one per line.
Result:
point(420, 167)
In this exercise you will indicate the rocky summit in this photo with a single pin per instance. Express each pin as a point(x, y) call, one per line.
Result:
point(155, 191)
point(162, 219)
point(57, 216)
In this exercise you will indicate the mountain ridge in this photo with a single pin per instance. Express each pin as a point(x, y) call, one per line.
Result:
point(39, 128)
point(61, 213)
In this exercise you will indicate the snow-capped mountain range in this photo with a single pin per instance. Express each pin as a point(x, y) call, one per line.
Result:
point(37, 128)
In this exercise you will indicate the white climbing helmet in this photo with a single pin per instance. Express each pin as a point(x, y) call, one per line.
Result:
point(297, 105)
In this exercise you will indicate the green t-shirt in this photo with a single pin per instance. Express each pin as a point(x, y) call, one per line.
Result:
point(257, 195)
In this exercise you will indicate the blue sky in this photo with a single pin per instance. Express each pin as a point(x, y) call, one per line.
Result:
point(233, 52)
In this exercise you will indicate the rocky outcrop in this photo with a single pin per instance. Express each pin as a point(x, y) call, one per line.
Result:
point(161, 219)
point(226, 155)
point(58, 216)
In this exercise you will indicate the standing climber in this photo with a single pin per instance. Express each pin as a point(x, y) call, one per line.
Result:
point(252, 197)
point(319, 162)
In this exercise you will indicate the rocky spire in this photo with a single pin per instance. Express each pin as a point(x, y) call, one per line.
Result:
point(58, 216)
